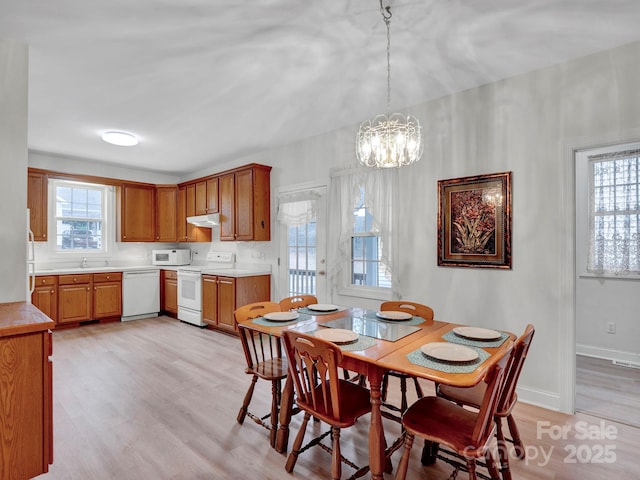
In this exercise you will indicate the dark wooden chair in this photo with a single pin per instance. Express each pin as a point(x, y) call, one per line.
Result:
point(297, 301)
point(265, 360)
point(417, 310)
point(508, 398)
point(321, 393)
point(466, 432)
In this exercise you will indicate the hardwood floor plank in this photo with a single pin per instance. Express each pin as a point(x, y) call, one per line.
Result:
point(157, 399)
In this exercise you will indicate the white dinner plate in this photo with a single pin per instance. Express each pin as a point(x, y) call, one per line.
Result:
point(337, 335)
point(322, 307)
point(449, 352)
point(476, 333)
point(281, 316)
point(393, 315)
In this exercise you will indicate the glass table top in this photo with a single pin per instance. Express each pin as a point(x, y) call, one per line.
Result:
point(373, 328)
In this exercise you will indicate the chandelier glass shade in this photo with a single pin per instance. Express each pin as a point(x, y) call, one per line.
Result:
point(391, 140)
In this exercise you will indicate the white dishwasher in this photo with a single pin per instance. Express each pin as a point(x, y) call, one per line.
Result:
point(140, 294)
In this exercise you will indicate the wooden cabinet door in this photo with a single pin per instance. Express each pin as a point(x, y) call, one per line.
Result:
point(169, 295)
point(137, 213)
point(191, 200)
point(181, 215)
point(107, 295)
point(166, 214)
point(201, 198)
point(45, 296)
point(212, 195)
point(244, 205)
point(227, 207)
point(226, 303)
point(37, 192)
point(210, 299)
point(74, 298)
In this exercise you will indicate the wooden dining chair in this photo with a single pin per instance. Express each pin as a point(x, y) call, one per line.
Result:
point(467, 433)
point(321, 393)
point(297, 301)
point(508, 398)
point(265, 360)
point(417, 310)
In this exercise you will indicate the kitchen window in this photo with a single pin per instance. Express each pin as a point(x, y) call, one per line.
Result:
point(609, 207)
point(80, 224)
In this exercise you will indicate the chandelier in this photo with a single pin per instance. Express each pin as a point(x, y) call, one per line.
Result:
point(391, 140)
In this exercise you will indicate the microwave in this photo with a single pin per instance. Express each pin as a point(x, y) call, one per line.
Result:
point(176, 256)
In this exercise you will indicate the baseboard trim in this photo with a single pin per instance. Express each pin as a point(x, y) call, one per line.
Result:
point(539, 398)
point(608, 354)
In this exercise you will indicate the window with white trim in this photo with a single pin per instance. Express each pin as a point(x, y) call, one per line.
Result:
point(80, 224)
point(612, 210)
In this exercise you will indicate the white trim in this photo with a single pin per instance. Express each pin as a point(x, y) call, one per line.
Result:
point(608, 354)
point(540, 398)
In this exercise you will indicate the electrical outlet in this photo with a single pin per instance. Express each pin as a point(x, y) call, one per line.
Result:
point(611, 327)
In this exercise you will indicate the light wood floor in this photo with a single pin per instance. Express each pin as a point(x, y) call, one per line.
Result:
point(157, 399)
point(607, 390)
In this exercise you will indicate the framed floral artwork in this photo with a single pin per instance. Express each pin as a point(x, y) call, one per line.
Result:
point(474, 221)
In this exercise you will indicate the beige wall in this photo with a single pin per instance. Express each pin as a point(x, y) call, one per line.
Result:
point(13, 163)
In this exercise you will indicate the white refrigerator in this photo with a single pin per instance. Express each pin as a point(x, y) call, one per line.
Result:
point(31, 259)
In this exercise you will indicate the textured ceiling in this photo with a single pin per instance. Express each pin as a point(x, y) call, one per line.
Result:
point(206, 81)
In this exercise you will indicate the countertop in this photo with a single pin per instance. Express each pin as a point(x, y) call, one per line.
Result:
point(18, 318)
point(240, 271)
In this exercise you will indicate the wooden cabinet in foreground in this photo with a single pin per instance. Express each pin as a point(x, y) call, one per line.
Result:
point(26, 403)
point(221, 296)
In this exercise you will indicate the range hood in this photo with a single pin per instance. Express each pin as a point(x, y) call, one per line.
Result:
point(205, 220)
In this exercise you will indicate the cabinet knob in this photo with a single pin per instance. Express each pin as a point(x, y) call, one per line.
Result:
point(44, 281)
point(108, 277)
point(52, 292)
point(75, 279)
point(87, 289)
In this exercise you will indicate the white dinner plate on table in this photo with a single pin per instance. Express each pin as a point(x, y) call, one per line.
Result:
point(322, 307)
point(449, 352)
point(281, 316)
point(393, 315)
point(476, 333)
point(337, 335)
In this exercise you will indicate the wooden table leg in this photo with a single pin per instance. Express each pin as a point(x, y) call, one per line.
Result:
point(286, 405)
point(376, 431)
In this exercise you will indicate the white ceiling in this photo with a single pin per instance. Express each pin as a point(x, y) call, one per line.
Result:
point(206, 81)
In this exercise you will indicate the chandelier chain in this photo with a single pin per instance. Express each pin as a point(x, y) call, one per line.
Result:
point(386, 16)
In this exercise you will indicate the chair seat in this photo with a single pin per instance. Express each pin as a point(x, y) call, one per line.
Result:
point(355, 402)
point(472, 396)
point(271, 369)
point(444, 422)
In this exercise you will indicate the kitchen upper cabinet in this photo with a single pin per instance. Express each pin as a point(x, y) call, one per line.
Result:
point(74, 298)
point(245, 204)
point(26, 381)
point(181, 229)
point(136, 206)
point(107, 295)
point(45, 295)
point(37, 192)
point(166, 227)
point(169, 292)
point(193, 233)
point(221, 296)
point(212, 195)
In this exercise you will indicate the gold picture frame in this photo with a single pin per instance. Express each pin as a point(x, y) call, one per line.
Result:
point(474, 221)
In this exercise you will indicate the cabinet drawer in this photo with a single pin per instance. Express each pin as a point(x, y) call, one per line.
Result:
point(48, 280)
point(107, 277)
point(171, 274)
point(74, 279)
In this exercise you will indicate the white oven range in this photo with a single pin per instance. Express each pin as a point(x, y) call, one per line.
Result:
point(190, 286)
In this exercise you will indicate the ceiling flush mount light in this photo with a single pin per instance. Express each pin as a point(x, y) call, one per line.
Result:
point(391, 140)
point(122, 139)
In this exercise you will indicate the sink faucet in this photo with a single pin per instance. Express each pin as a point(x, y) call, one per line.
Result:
point(84, 262)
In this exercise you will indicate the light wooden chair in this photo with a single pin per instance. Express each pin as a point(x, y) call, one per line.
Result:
point(508, 398)
point(313, 365)
point(417, 310)
point(265, 360)
point(467, 433)
point(297, 301)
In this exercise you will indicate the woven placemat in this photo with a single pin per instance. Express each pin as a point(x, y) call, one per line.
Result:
point(451, 337)
point(271, 323)
point(362, 343)
point(410, 321)
point(418, 358)
point(319, 312)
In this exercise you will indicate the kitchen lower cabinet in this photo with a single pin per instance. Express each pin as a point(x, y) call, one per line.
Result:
point(45, 295)
point(75, 300)
point(222, 295)
point(169, 292)
point(26, 403)
point(107, 295)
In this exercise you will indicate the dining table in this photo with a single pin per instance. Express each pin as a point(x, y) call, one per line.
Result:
point(383, 345)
